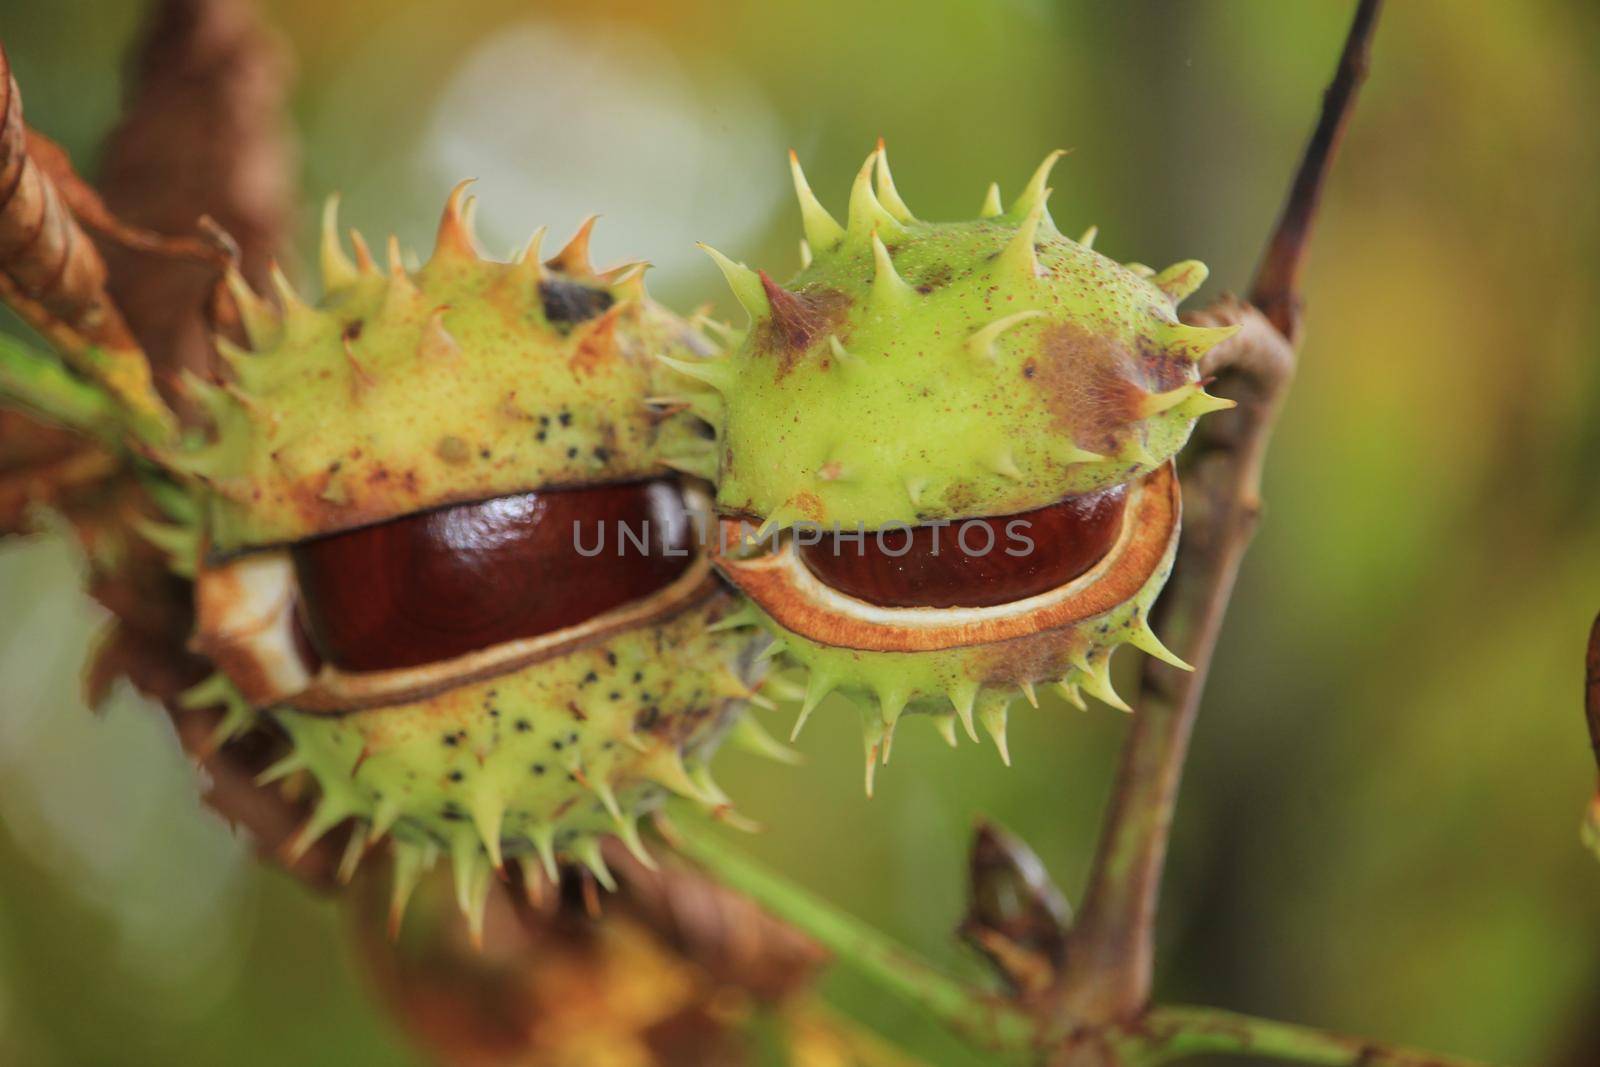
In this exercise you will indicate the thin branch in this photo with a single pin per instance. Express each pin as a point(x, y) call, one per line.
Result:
point(1591, 704)
point(1110, 954)
point(1591, 689)
point(986, 1020)
point(1171, 1032)
point(1277, 286)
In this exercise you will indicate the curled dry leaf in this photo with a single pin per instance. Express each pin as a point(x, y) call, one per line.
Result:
point(42, 465)
point(52, 276)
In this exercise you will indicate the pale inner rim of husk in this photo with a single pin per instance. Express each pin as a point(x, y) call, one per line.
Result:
point(919, 628)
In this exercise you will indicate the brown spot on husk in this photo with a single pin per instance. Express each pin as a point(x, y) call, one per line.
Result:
point(1035, 658)
point(1083, 379)
point(798, 320)
point(1162, 369)
point(598, 346)
point(936, 278)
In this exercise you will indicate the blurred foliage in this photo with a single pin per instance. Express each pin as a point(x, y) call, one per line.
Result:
point(1378, 832)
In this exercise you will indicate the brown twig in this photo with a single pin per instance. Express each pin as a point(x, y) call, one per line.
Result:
point(1276, 292)
point(1174, 1032)
point(1110, 953)
point(1591, 689)
point(1591, 706)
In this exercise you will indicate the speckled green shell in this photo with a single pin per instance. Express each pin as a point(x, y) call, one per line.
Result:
point(539, 762)
point(463, 380)
point(405, 390)
point(916, 371)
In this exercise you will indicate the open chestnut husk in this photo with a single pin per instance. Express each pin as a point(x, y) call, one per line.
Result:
point(449, 548)
point(977, 373)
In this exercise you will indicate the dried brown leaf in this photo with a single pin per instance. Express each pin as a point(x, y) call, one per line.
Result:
point(202, 135)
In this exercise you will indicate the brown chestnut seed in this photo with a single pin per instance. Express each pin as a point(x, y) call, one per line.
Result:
point(969, 563)
point(440, 584)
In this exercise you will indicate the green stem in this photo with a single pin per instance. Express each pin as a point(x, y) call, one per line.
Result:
point(1173, 1032)
point(981, 1017)
point(1161, 1035)
point(41, 385)
point(175, 501)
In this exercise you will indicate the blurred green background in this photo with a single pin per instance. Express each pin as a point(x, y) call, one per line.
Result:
point(1378, 831)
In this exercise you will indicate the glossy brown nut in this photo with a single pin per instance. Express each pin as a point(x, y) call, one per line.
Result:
point(970, 563)
point(780, 584)
point(443, 583)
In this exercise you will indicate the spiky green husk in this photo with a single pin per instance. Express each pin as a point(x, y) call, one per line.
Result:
point(404, 390)
point(539, 762)
point(972, 685)
point(920, 371)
